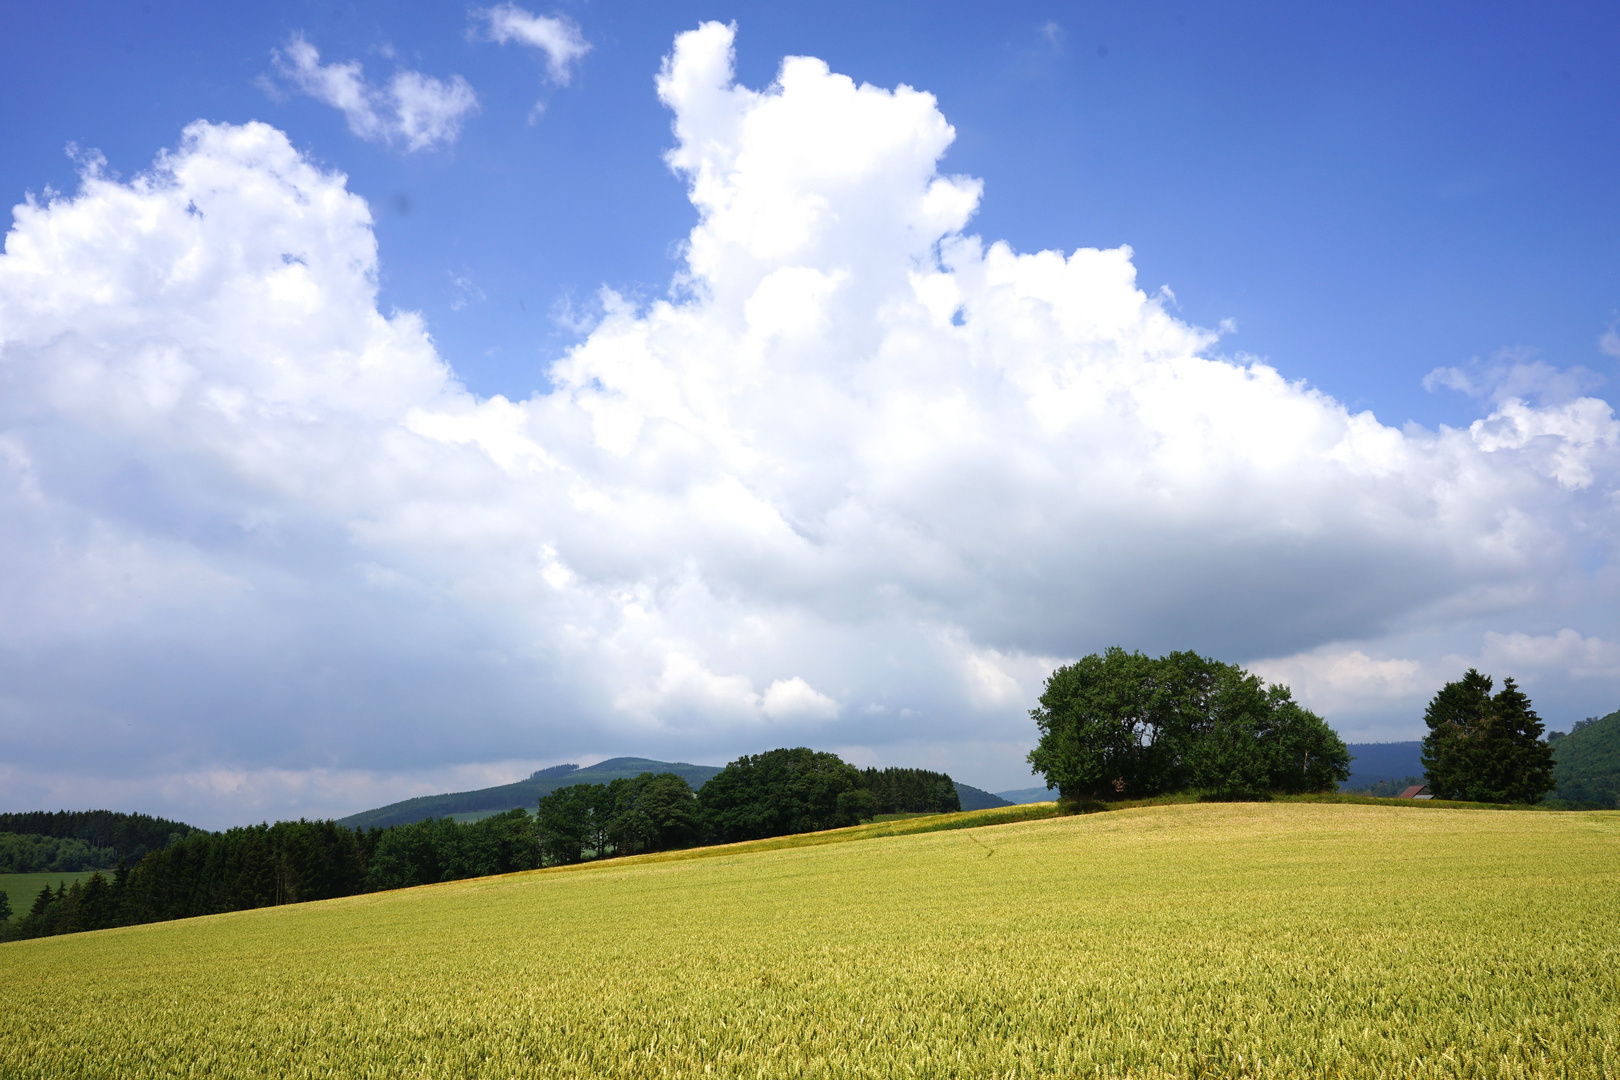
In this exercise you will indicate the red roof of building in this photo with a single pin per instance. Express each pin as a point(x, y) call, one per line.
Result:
point(1414, 792)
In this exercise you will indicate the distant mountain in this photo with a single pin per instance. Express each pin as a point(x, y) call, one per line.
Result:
point(977, 799)
point(1370, 763)
point(1029, 795)
point(1586, 762)
point(1382, 762)
point(524, 793)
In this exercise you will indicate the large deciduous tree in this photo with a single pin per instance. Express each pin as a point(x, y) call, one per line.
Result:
point(1483, 748)
point(1126, 725)
point(781, 792)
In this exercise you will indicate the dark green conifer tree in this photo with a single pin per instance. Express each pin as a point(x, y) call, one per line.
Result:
point(1482, 748)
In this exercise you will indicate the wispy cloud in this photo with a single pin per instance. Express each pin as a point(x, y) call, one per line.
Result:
point(412, 109)
point(557, 36)
point(1514, 374)
point(1609, 343)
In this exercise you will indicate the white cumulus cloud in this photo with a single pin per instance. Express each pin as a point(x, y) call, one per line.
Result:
point(884, 469)
point(1567, 653)
point(416, 110)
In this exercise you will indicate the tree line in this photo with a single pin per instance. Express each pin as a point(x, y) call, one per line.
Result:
point(126, 836)
point(28, 853)
point(202, 873)
point(761, 795)
point(1124, 725)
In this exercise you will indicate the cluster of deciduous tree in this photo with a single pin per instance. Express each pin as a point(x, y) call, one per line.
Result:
point(30, 853)
point(1483, 748)
point(771, 794)
point(441, 850)
point(652, 812)
point(781, 792)
point(1126, 725)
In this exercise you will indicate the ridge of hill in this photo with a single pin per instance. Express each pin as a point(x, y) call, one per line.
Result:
point(1372, 763)
point(523, 794)
point(977, 798)
point(1586, 762)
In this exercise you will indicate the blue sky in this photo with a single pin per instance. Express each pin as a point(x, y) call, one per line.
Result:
point(457, 512)
point(1369, 193)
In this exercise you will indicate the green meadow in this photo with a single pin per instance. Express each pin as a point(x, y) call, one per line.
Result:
point(1308, 939)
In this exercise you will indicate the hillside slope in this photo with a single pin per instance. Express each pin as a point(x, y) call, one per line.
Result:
point(977, 798)
point(1186, 940)
point(1586, 763)
point(525, 793)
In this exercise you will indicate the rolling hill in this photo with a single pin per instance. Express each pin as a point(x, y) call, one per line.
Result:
point(1586, 763)
point(977, 799)
point(1191, 940)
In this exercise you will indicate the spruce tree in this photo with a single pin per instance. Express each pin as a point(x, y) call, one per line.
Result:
point(1518, 763)
point(1482, 748)
point(1452, 749)
point(42, 902)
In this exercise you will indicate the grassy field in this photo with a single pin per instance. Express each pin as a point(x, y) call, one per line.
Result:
point(1281, 939)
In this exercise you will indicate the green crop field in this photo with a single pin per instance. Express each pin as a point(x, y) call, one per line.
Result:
point(1281, 939)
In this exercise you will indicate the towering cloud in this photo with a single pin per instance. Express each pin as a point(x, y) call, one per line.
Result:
point(857, 482)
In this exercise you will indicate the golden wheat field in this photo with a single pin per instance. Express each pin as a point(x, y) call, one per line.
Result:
point(1275, 939)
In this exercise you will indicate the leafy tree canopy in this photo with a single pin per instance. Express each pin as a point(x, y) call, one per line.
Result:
point(781, 792)
point(1126, 725)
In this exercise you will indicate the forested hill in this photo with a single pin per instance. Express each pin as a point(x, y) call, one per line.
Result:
point(525, 793)
point(977, 799)
point(1586, 762)
point(127, 836)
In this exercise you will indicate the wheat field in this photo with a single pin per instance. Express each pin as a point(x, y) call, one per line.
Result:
point(1282, 939)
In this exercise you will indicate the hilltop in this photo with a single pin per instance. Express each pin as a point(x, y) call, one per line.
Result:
point(524, 794)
